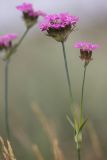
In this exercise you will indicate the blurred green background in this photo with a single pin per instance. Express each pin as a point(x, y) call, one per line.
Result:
point(37, 75)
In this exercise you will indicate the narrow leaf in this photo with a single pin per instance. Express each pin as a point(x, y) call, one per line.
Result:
point(82, 125)
point(70, 121)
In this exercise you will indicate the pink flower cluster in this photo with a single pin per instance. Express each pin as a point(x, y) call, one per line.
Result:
point(86, 46)
point(86, 49)
point(25, 7)
point(28, 8)
point(6, 40)
point(58, 21)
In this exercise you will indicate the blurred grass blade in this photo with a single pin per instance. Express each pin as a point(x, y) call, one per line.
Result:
point(50, 131)
point(70, 121)
point(82, 125)
point(6, 150)
point(37, 152)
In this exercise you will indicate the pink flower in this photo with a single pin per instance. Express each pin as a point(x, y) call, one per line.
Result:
point(86, 49)
point(25, 7)
point(37, 13)
point(6, 40)
point(59, 26)
point(86, 46)
point(40, 13)
point(58, 21)
point(30, 16)
point(28, 8)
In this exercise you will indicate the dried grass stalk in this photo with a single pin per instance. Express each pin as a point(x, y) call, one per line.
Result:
point(37, 152)
point(95, 142)
point(58, 153)
point(6, 150)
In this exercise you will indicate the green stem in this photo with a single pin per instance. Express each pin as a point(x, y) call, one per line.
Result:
point(12, 51)
point(7, 60)
point(78, 153)
point(23, 36)
point(82, 93)
point(67, 71)
point(6, 98)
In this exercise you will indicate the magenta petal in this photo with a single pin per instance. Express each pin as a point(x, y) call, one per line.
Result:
point(86, 46)
point(58, 21)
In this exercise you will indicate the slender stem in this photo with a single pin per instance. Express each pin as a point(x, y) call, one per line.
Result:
point(6, 83)
point(82, 93)
point(6, 98)
point(67, 71)
point(78, 153)
point(12, 51)
point(23, 36)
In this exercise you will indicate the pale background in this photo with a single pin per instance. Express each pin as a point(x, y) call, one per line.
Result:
point(37, 74)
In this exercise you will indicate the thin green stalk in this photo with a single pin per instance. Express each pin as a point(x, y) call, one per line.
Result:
point(78, 153)
point(12, 51)
point(6, 98)
point(82, 92)
point(6, 87)
point(23, 36)
point(67, 71)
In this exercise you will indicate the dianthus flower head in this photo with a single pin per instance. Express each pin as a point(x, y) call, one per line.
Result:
point(6, 44)
point(86, 49)
point(30, 16)
point(59, 26)
point(6, 40)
